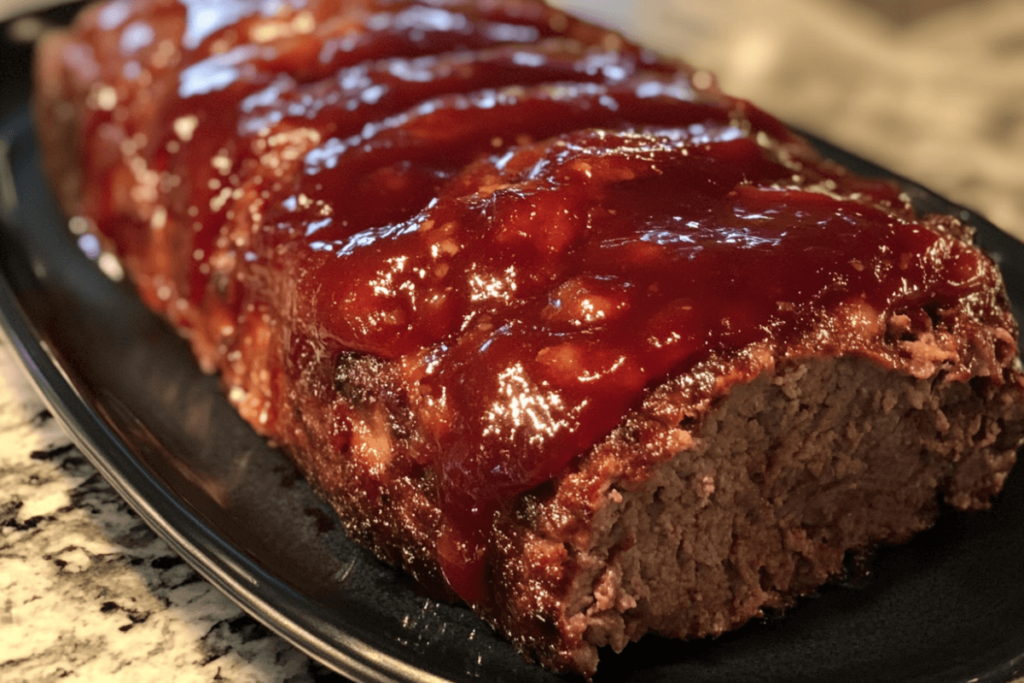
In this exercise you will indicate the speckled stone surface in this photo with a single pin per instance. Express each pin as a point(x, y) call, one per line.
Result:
point(930, 88)
point(88, 592)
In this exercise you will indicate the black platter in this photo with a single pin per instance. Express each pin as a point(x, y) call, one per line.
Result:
point(948, 607)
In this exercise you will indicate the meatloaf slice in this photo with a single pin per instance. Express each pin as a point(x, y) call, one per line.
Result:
point(792, 468)
point(558, 328)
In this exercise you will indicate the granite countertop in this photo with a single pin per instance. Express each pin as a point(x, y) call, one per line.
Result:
point(932, 89)
point(88, 592)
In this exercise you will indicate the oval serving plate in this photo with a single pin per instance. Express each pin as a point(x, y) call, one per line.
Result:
point(949, 606)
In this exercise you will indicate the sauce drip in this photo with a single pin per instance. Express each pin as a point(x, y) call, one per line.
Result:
point(533, 220)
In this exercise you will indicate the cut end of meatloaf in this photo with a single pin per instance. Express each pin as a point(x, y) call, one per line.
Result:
point(776, 484)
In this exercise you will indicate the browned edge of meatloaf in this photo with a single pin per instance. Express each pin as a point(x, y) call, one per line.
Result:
point(55, 94)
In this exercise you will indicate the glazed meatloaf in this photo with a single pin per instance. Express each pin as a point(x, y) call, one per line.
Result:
point(555, 325)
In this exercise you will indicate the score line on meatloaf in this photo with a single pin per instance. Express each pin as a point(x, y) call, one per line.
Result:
point(553, 323)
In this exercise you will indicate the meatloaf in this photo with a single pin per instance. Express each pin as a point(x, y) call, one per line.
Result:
point(555, 325)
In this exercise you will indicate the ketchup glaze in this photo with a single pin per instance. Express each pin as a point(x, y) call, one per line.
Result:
point(528, 220)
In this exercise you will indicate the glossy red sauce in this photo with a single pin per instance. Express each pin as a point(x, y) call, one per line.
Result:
point(537, 232)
